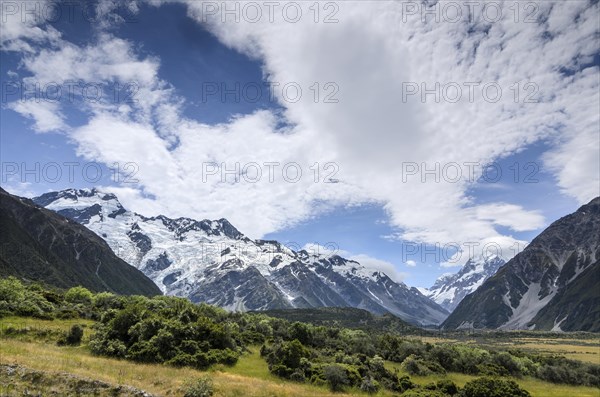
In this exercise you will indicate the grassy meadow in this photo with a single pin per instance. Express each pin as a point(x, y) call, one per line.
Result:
point(31, 344)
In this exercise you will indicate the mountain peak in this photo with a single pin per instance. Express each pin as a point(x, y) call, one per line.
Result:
point(82, 205)
point(449, 289)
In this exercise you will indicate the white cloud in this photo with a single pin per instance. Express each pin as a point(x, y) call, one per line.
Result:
point(18, 188)
point(411, 263)
point(367, 261)
point(373, 130)
point(510, 215)
point(575, 158)
point(47, 116)
point(19, 31)
point(381, 266)
point(451, 264)
point(370, 54)
point(504, 247)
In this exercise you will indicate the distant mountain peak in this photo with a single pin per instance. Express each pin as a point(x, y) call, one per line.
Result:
point(450, 288)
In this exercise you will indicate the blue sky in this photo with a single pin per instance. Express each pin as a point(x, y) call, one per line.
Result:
point(165, 143)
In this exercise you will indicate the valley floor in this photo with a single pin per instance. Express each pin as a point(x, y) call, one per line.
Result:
point(586, 349)
point(31, 362)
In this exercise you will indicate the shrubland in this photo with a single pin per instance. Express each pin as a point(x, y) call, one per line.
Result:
point(175, 332)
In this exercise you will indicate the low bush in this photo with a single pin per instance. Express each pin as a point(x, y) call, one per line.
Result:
point(73, 337)
point(369, 385)
point(336, 377)
point(492, 387)
point(202, 387)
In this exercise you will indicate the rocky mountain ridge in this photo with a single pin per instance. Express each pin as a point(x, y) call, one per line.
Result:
point(211, 261)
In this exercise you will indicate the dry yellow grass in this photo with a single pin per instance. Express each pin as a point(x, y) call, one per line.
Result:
point(583, 350)
point(587, 350)
point(157, 379)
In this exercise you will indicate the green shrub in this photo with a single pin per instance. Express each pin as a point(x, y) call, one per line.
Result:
point(508, 362)
point(445, 355)
point(446, 386)
point(281, 370)
point(336, 376)
point(182, 360)
point(73, 337)
point(369, 385)
point(11, 290)
point(403, 384)
point(283, 358)
point(202, 387)
point(492, 387)
point(298, 376)
point(79, 295)
point(491, 369)
point(469, 359)
point(558, 369)
point(164, 330)
point(413, 366)
point(17, 299)
point(302, 332)
point(417, 366)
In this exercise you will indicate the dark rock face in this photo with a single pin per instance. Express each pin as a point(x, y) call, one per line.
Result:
point(245, 289)
point(158, 264)
point(312, 290)
point(551, 284)
point(171, 278)
point(38, 244)
point(142, 241)
point(82, 216)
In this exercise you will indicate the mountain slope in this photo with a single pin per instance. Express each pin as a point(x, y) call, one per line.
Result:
point(551, 284)
point(213, 262)
point(450, 289)
point(347, 317)
point(37, 244)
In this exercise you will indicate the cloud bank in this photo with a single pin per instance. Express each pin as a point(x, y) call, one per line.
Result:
point(383, 63)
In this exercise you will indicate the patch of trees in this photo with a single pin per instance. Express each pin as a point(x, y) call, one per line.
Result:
point(292, 360)
point(16, 299)
point(355, 359)
point(167, 330)
point(420, 358)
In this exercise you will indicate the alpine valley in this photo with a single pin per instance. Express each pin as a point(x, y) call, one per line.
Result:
point(211, 261)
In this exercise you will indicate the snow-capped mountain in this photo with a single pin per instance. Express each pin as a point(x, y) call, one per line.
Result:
point(551, 285)
point(449, 289)
point(213, 262)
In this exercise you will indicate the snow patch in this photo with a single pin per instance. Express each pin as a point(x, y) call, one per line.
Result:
point(529, 305)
